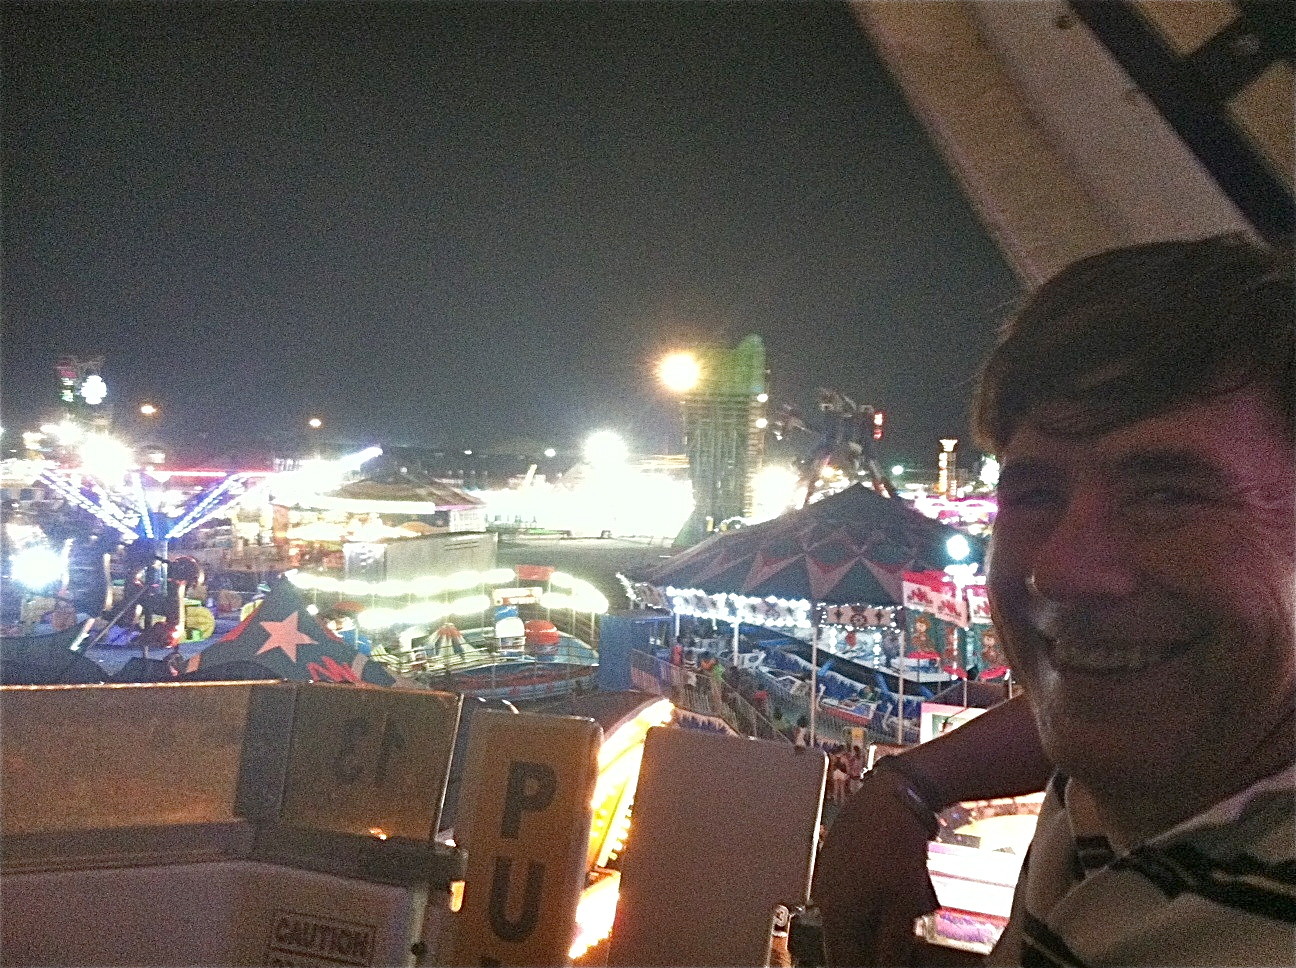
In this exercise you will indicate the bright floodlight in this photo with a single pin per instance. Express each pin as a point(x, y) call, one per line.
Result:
point(990, 472)
point(774, 490)
point(679, 372)
point(958, 548)
point(605, 447)
point(353, 462)
point(315, 423)
point(37, 567)
point(148, 409)
point(67, 432)
point(897, 469)
point(550, 452)
point(94, 390)
point(105, 457)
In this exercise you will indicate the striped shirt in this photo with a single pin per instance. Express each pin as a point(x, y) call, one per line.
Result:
point(1218, 889)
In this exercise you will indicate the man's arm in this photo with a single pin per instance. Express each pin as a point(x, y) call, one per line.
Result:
point(871, 877)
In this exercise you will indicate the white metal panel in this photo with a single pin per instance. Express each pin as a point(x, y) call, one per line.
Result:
point(1058, 150)
point(1148, 183)
point(221, 913)
point(724, 828)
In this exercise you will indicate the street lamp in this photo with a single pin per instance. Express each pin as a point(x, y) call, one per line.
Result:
point(314, 423)
point(149, 409)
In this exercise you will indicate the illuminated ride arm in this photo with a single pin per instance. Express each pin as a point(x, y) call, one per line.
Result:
point(871, 878)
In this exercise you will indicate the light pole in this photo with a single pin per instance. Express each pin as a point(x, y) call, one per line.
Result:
point(313, 425)
point(723, 397)
point(947, 464)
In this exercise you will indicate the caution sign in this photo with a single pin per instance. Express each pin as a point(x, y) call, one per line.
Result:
point(305, 939)
point(526, 829)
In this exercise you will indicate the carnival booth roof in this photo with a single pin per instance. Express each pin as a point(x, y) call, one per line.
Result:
point(853, 547)
point(407, 487)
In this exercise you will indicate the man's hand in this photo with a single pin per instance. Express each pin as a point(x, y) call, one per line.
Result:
point(871, 878)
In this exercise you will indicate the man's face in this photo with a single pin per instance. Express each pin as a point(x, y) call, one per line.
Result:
point(1143, 581)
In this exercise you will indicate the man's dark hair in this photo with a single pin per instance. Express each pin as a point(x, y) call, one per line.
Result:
point(1126, 334)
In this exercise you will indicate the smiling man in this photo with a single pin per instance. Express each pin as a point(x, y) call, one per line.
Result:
point(1143, 578)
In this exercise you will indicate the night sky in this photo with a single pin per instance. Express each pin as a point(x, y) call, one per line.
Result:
point(476, 224)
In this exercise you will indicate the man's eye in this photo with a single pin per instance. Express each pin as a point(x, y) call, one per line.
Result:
point(1172, 495)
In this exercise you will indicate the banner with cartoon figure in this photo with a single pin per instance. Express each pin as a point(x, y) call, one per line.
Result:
point(953, 621)
point(933, 592)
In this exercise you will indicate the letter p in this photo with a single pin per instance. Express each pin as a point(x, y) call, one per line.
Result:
point(531, 786)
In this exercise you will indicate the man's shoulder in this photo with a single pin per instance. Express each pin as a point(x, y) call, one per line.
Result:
point(1260, 820)
point(1219, 888)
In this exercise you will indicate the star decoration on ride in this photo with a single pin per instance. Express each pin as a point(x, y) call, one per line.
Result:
point(284, 635)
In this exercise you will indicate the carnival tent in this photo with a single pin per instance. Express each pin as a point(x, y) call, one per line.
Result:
point(397, 493)
point(852, 547)
point(41, 659)
point(284, 637)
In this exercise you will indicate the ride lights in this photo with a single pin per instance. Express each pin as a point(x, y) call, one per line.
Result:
point(426, 612)
point(376, 619)
point(355, 586)
point(462, 580)
point(427, 585)
point(468, 604)
point(770, 611)
point(680, 372)
point(105, 457)
point(305, 582)
point(595, 913)
point(590, 602)
point(38, 567)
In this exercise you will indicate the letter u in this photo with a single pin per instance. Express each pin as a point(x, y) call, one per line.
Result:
point(521, 927)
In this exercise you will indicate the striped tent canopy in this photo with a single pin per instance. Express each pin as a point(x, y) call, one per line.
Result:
point(851, 548)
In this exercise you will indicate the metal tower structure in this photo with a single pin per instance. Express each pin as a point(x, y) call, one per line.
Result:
point(724, 435)
point(847, 450)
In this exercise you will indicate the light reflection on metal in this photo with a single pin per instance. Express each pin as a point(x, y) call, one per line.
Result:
point(620, 756)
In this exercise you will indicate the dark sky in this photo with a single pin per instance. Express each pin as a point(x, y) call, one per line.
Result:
point(465, 223)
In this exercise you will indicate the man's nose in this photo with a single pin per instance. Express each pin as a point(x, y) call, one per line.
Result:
point(1087, 554)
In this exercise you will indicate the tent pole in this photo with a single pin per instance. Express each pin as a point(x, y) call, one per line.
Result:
point(814, 679)
point(900, 706)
